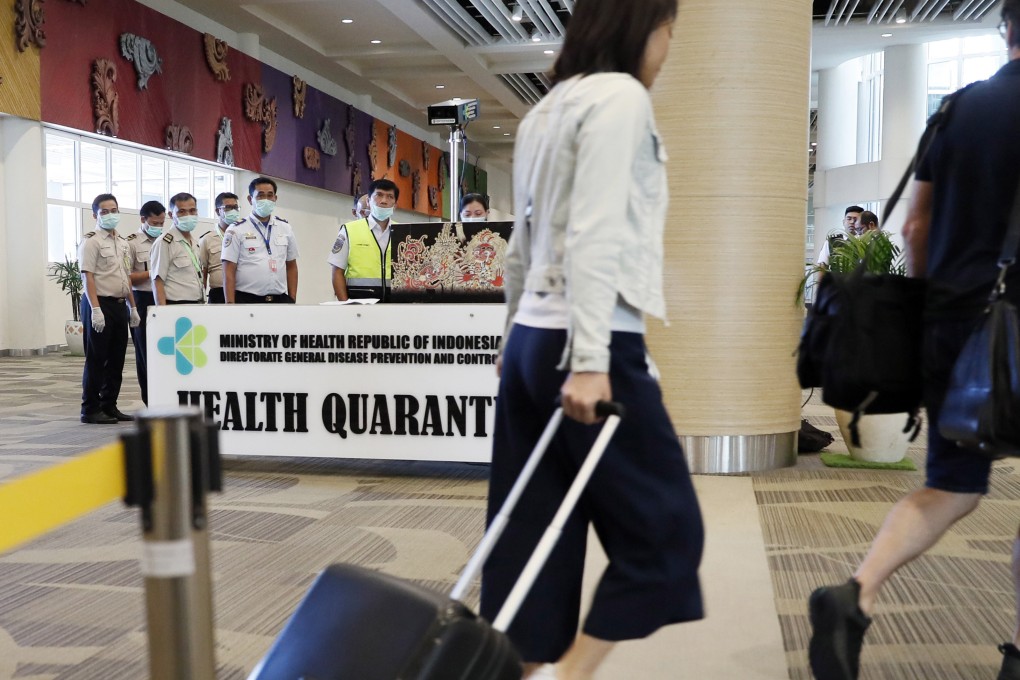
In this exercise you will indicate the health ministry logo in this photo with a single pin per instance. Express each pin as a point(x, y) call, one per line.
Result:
point(185, 344)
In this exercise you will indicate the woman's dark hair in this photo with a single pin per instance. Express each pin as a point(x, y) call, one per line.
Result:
point(609, 36)
point(468, 199)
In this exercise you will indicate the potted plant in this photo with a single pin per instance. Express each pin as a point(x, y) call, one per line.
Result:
point(882, 437)
point(68, 276)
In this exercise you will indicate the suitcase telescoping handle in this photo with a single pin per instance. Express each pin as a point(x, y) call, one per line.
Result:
point(612, 412)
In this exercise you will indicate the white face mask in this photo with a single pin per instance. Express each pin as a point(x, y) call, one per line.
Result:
point(187, 223)
point(381, 214)
point(231, 216)
point(473, 219)
point(264, 207)
point(109, 222)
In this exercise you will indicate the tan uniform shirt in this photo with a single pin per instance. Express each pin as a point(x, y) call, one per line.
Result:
point(209, 249)
point(106, 255)
point(139, 245)
point(175, 261)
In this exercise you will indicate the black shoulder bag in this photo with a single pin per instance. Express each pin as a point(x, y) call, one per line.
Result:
point(982, 405)
point(862, 338)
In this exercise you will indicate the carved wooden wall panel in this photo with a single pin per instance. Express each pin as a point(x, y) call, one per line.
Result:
point(105, 107)
point(28, 21)
point(180, 139)
point(299, 92)
point(313, 161)
point(216, 52)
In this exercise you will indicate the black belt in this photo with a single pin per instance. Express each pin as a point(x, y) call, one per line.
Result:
point(105, 298)
point(185, 302)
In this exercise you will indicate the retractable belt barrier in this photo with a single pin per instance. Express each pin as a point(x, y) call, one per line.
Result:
point(165, 468)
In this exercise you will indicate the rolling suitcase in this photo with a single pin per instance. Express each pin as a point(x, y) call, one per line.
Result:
point(357, 624)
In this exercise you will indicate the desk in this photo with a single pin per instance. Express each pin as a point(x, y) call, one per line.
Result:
point(406, 382)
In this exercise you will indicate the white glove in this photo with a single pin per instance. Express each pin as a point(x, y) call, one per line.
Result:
point(135, 319)
point(98, 320)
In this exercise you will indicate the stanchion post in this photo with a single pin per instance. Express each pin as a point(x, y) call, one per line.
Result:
point(172, 462)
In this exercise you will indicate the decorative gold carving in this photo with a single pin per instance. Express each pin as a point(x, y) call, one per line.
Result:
point(253, 98)
point(426, 154)
point(258, 109)
point(269, 119)
point(225, 142)
point(105, 108)
point(28, 21)
point(434, 198)
point(391, 149)
point(216, 56)
point(180, 139)
point(349, 133)
point(312, 158)
point(373, 152)
point(415, 188)
point(356, 180)
point(300, 90)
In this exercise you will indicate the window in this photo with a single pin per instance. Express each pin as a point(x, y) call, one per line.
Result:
point(871, 107)
point(80, 167)
point(957, 62)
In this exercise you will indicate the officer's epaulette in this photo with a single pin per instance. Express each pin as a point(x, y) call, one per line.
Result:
point(280, 219)
point(168, 238)
point(133, 236)
point(89, 234)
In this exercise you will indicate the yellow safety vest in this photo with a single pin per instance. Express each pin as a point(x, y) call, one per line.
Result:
point(365, 262)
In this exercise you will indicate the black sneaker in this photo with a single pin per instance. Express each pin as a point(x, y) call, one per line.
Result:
point(838, 626)
point(1010, 662)
point(98, 418)
point(118, 414)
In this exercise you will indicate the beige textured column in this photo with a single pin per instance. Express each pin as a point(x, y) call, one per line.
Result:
point(732, 107)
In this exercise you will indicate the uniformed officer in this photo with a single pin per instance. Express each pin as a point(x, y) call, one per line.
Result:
point(104, 259)
point(153, 214)
point(210, 246)
point(176, 272)
point(361, 253)
point(260, 253)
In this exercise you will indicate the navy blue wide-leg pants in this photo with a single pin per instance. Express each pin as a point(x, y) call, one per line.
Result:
point(640, 500)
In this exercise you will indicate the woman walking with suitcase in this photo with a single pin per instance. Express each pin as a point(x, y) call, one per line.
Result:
point(585, 265)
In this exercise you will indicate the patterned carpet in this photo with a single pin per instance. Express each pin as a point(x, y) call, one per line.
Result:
point(71, 602)
point(939, 617)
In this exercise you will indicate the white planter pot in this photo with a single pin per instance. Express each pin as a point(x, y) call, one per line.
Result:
point(882, 437)
point(74, 334)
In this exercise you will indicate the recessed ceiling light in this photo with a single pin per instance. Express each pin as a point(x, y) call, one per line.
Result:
point(375, 42)
point(440, 87)
point(506, 134)
point(887, 35)
point(347, 21)
point(550, 52)
point(518, 13)
point(495, 127)
point(456, 99)
point(536, 38)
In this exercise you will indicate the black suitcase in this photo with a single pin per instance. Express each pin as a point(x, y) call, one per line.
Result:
point(358, 624)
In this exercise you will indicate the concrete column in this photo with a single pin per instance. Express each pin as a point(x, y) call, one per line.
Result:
point(837, 116)
point(24, 227)
point(904, 102)
point(250, 44)
point(732, 107)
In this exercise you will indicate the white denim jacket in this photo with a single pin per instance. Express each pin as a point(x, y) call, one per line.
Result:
point(590, 198)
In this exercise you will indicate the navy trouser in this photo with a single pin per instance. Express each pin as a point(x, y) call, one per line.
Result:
point(640, 500)
point(216, 295)
point(104, 355)
point(143, 300)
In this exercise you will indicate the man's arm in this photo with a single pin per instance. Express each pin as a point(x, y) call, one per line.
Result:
point(229, 277)
point(90, 289)
point(916, 228)
point(340, 284)
point(292, 279)
point(160, 291)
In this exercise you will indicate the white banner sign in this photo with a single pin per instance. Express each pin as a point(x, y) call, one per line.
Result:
point(414, 382)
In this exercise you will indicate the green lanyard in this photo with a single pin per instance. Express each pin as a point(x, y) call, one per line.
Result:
point(194, 260)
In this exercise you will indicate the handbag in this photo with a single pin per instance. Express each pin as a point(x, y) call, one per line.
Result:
point(981, 409)
point(862, 337)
